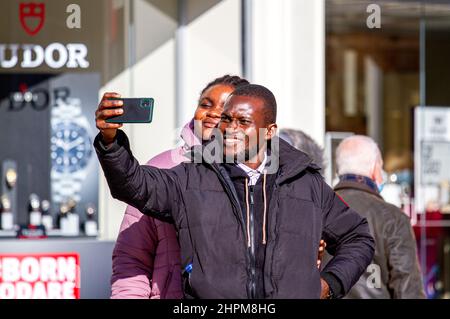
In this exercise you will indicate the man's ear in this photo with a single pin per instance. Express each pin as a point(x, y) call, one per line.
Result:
point(271, 131)
point(377, 173)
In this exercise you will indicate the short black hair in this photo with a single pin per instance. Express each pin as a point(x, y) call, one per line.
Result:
point(231, 80)
point(264, 94)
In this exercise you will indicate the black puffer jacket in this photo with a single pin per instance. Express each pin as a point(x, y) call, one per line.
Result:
point(212, 230)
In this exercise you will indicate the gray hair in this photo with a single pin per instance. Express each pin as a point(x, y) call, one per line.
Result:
point(357, 154)
point(304, 143)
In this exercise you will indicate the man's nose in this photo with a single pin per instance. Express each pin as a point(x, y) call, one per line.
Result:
point(232, 126)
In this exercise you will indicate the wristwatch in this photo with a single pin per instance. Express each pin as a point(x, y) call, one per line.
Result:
point(5, 203)
point(70, 149)
point(11, 178)
point(34, 203)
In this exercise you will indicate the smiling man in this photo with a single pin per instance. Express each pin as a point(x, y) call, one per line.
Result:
point(247, 125)
point(247, 228)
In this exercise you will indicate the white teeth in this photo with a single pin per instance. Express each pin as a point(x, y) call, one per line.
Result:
point(232, 141)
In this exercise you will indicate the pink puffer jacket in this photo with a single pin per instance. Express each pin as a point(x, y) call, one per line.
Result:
point(146, 257)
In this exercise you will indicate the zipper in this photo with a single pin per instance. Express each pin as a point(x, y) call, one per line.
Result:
point(238, 212)
point(252, 246)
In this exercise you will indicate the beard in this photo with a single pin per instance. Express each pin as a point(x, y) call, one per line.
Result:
point(239, 149)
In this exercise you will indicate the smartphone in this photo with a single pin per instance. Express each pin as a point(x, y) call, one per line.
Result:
point(135, 110)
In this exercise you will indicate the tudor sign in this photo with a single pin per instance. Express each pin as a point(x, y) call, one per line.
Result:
point(54, 55)
point(29, 12)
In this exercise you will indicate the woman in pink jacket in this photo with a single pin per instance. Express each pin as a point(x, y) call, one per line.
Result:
point(146, 257)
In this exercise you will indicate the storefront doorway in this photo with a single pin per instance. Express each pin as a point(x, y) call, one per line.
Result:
point(376, 76)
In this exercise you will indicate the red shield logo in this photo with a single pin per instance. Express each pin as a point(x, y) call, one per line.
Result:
point(32, 17)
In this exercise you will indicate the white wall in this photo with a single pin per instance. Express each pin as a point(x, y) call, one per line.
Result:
point(152, 74)
point(212, 48)
point(288, 56)
point(210, 45)
point(109, 207)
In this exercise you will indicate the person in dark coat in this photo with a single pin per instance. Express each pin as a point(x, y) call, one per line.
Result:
point(394, 271)
point(250, 209)
point(146, 256)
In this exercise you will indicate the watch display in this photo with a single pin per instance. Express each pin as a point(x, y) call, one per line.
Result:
point(70, 150)
point(70, 147)
point(11, 177)
point(5, 203)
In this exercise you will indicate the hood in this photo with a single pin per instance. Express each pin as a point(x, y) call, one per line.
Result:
point(179, 154)
point(292, 161)
point(188, 135)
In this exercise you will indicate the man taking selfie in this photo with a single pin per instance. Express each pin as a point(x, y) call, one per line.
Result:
point(250, 210)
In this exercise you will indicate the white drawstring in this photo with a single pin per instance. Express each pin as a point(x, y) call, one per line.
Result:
point(265, 208)
point(248, 213)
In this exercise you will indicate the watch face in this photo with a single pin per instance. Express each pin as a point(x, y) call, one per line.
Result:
point(11, 177)
point(34, 202)
point(70, 147)
point(90, 210)
point(6, 203)
point(45, 205)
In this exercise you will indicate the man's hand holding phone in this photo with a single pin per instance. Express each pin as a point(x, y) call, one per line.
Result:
point(107, 109)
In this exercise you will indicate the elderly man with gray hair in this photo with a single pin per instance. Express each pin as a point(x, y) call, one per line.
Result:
point(394, 272)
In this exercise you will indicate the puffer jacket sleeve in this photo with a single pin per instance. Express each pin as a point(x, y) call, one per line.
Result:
point(133, 256)
point(151, 190)
point(348, 239)
point(405, 280)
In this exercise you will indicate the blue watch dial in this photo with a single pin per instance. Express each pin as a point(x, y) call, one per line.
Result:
point(70, 147)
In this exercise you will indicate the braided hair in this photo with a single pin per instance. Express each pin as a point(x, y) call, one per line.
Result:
point(230, 80)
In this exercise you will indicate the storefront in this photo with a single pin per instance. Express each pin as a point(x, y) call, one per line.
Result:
point(51, 71)
point(57, 58)
point(386, 80)
point(333, 72)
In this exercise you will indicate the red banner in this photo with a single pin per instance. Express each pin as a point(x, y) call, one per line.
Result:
point(40, 276)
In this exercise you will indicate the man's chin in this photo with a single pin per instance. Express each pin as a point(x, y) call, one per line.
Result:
point(206, 134)
point(231, 155)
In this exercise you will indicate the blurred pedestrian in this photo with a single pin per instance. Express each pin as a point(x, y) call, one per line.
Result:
point(394, 272)
point(305, 143)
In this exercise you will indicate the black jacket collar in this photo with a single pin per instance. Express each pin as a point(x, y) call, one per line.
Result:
point(293, 161)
